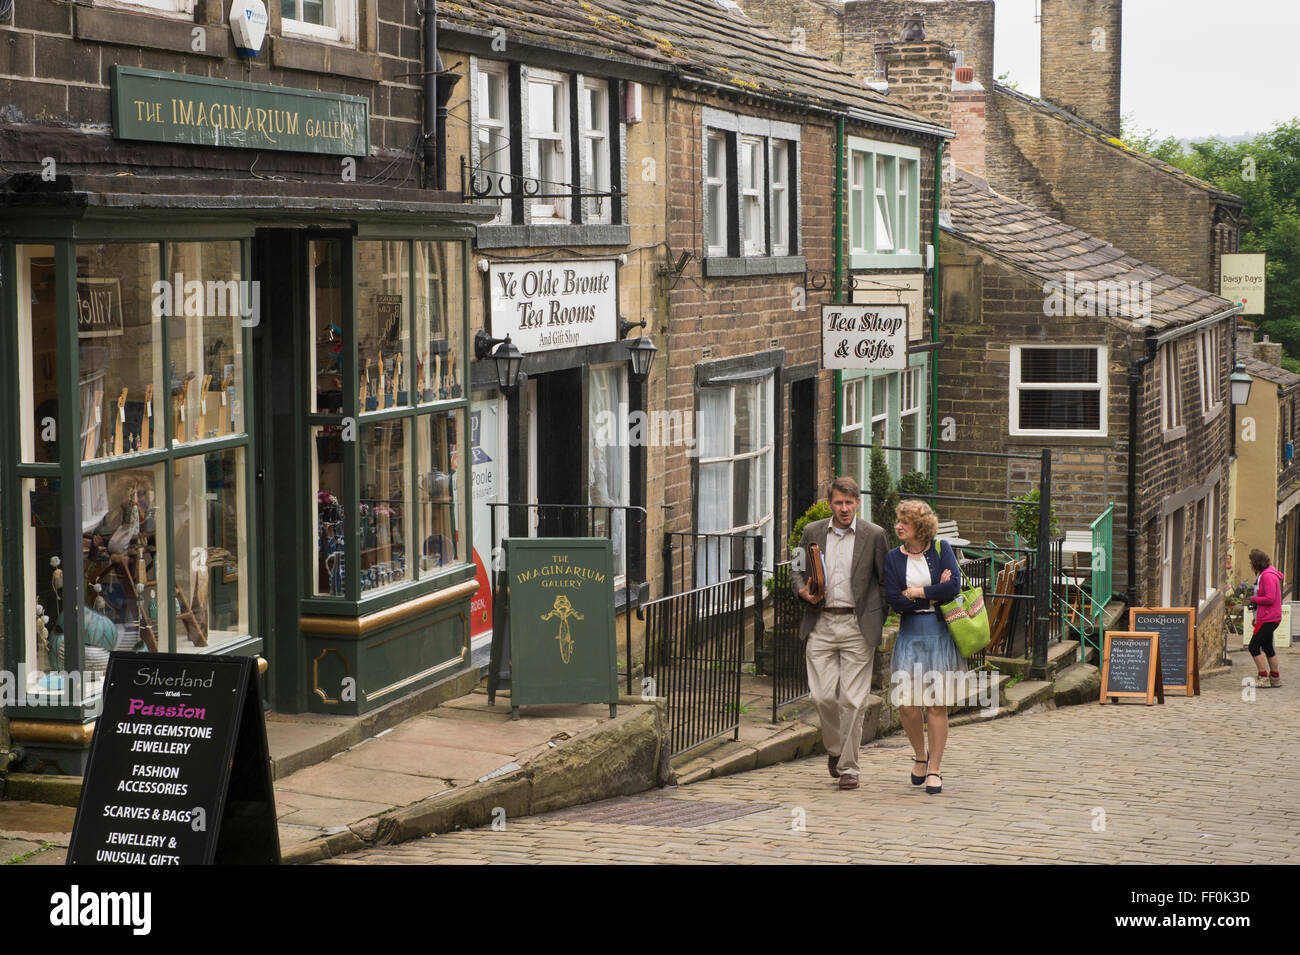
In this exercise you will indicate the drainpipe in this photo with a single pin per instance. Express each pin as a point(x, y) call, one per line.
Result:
point(1134, 443)
point(934, 321)
point(836, 395)
point(435, 176)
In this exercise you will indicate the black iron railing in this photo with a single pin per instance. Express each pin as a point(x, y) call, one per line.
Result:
point(789, 669)
point(694, 648)
point(697, 560)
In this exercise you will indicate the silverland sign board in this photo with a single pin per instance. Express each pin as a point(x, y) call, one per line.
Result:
point(864, 336)
point(174, 108)
point(547, 305)
point(179, 772)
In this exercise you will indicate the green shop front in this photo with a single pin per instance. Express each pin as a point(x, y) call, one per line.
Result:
point(236, 416)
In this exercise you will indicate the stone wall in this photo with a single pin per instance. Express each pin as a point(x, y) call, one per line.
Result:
point(1079, 58)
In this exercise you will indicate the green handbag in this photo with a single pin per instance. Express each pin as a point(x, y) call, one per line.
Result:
point(967, 619)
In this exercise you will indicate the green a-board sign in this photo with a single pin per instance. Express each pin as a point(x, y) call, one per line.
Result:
point(560, 622)
point(178, 108)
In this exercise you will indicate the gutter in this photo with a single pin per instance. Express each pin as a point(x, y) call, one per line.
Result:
point(837, 396)
point(435, 175)
point(1135, 369)
point(1181, 330)
point(934, 319)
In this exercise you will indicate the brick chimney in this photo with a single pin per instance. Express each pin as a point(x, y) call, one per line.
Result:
point(1079, 59)
point(968, 121)
point(921, 78)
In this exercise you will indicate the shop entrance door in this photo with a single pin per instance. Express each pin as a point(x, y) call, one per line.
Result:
point(558, 463)
point(803, 447)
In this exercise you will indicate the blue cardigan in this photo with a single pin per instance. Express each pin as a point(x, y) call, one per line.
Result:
point(896, 578)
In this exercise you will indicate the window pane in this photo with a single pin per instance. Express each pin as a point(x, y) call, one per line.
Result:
point(383, 307)
point(1060, 410)
point(439, 325)
point(119, 349)
point(122, 561)
point(749, 419)
point(38, 347)
point(209, 533)
point(1058, 365)
point(331, 536)
point(442, 491)
point(715, 497)
point(207, 353)
point(607, 471)
point(543, 108)
point(715, 415)
point(386, 504)
point(326, 298)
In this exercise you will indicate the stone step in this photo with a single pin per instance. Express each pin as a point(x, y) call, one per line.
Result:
point(1028, 693)
point(1077, 684)
point(1060, 655)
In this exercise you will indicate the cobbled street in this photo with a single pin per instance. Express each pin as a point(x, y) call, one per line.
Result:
point(1203, 780)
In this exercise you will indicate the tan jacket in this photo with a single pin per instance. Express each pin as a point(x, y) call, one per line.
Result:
point(867, 575)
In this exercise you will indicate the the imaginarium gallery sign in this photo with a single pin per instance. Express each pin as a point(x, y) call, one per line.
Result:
point(175, 108)
point(561, 619)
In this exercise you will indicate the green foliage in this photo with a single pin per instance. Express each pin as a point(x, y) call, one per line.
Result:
point(1005, 79)
point(1027, 518)
point(1265, 172)
point(914, 484)
point(819, 511)
point(884, 496)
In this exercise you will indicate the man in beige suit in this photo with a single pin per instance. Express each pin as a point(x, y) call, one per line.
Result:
point(841, 628)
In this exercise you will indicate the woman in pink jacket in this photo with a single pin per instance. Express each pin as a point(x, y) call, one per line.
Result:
point(1268, 614)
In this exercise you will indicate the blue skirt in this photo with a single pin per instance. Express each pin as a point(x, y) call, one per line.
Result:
point(926, 664)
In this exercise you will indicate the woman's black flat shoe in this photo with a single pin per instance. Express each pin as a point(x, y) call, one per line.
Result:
point(934, 789)
point(917, 780)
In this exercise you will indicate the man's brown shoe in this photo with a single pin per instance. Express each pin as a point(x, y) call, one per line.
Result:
point(830, 764)
point(848, 781)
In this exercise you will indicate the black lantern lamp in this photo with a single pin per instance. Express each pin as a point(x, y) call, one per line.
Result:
point(1239, 382)
point(508, 359)
point(642, 349)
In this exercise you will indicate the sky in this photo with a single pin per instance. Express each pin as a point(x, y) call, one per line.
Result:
point(1190, 68)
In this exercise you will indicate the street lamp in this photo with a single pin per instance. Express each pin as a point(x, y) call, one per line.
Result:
point(508, 359)
point(1239, 382)
point(642, 349)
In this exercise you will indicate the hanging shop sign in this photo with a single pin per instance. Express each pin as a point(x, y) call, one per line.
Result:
point(175, 108)
point(543, 306)
point(864, 336)
point(1241, 280)
point(179, 772)
point(560, 618)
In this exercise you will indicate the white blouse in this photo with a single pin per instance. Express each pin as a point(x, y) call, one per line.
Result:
point(918, 575)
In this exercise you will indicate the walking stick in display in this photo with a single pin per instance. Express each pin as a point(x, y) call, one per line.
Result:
point(397, 377)
point(119, 446)
point(146, 419)
point(92, 433)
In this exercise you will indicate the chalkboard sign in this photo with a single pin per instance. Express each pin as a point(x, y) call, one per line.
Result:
point(560, 622)
point(179, 772)
point(1179, 669)
point(1130, 666)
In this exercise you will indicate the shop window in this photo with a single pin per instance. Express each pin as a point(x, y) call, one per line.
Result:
point(407, 515)
point(911, 424)
point(333, 20)
point(884, 204)
point(853, 431)
point(1058, 390)
point(735, 471)
point(158, 561)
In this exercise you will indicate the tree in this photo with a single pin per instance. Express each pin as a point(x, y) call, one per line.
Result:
point(884, 496)
point(1265, 172)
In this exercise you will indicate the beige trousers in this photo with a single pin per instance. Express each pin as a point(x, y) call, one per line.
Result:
point(839, 677)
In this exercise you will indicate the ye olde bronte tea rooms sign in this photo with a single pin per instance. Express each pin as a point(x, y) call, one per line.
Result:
point(547, 305)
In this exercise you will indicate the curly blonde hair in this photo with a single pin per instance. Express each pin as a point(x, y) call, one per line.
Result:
point(921, 517)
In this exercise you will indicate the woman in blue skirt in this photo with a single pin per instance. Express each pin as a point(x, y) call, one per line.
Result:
point(927, 666)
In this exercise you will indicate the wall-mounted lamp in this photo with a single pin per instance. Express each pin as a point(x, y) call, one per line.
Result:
point(509, 359)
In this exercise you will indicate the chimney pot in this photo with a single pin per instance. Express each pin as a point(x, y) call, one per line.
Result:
point(913, 28)
point(965, 74)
